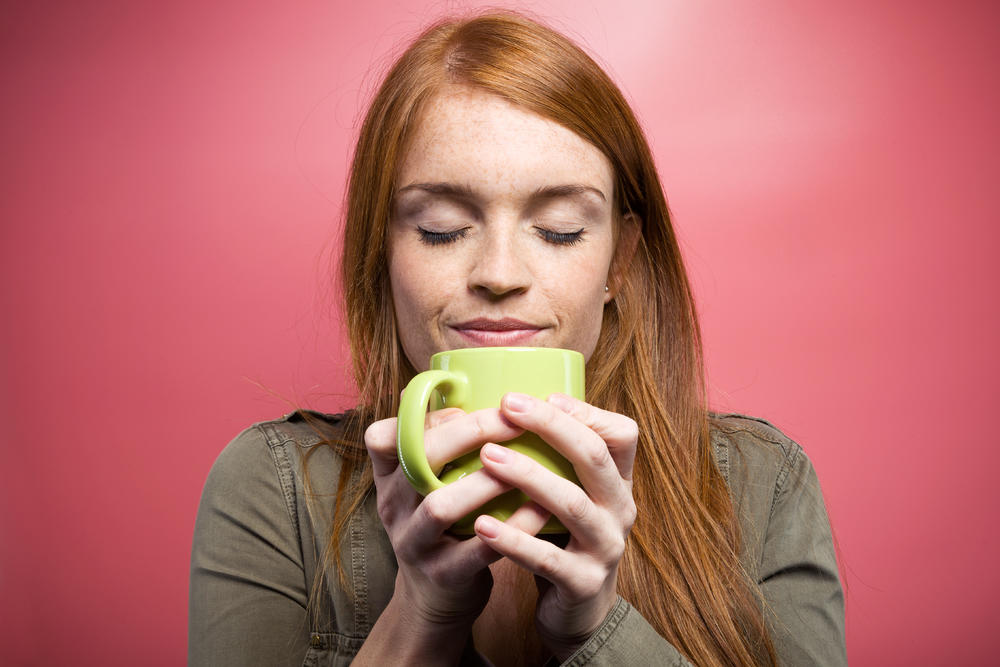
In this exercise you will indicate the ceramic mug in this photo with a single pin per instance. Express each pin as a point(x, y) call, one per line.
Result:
point(472, 379)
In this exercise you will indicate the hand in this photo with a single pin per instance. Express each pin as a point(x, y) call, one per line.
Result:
point(443, 581)
point(578, 584)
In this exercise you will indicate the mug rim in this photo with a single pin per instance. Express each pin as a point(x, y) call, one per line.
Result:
point(470, 351)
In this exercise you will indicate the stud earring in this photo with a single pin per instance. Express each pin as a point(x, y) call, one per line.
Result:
point(606, 289)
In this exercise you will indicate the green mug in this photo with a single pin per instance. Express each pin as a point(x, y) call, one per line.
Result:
point(473, 379)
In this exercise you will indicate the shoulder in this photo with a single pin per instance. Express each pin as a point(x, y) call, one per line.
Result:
point(768, 473)
point(744, 442)
point(303, 428)
point(272, 454)
point(760, 464)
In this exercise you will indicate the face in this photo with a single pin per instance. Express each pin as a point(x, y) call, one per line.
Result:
point(502, 231)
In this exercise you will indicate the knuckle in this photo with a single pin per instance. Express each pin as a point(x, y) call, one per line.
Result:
point(597, 454)
point(568, 404)
point(615, 549)
point(370, 435)
point(383, 506)
point(379, 436)
point(480, 429)
point(577, 506)
point(629, 513)
point(548, 416)
point(434, 509)
point(630, 430)
point(406, 550)
point(581, 411)
point(548, 564)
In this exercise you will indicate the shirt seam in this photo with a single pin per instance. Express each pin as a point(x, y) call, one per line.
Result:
point(359, 571)
point(283, 469)
point(788, 462)
point(722, 458)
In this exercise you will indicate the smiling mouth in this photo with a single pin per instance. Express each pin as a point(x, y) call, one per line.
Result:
point(506, 331)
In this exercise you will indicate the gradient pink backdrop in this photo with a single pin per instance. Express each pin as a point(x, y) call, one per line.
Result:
point(170, 185)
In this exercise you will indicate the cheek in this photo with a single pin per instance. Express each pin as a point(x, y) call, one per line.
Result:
point(584, 323)
point(577, 291)
point(426, 280)
point(410, 304)
point(408, 288)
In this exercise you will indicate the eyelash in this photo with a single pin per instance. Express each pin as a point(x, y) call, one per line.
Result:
point(442, 238)
point(561, 238)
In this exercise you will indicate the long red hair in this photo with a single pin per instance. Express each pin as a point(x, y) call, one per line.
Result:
point(681, 568)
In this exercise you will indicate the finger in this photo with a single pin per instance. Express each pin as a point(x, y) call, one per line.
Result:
point(592, 461)
point(529, 517)
point(575, 577)
point(441, 508)
point(395, 499)
point(588, 523)
point(438, 417)
point(380, 440)
point(447, 441)
point(380, 437)
point(619, 432)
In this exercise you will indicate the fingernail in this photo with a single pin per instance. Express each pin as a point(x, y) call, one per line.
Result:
point(517, 402)
point(496, 453)
point(487, 526)
point(561, 401)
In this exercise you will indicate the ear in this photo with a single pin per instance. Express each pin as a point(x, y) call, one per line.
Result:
point(629, 229)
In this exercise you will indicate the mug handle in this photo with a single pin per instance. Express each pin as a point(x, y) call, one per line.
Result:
point(410, 424)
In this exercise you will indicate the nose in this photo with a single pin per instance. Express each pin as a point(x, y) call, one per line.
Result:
point(500, 267)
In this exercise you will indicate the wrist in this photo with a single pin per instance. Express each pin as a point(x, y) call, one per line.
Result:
point(403, 635)
point(564, 646)
point(432, 610)
point(431, 623)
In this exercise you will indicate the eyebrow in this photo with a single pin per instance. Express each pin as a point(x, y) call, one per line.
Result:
point(570, 190)
point(466, 193)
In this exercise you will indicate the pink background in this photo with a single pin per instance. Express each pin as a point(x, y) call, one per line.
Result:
point(170, 185)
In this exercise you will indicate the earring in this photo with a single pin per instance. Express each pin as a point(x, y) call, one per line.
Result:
point(606, 289)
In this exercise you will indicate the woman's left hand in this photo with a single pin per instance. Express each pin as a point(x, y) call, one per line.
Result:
point(577, 584)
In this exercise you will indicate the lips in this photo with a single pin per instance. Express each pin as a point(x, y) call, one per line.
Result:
point(505, 331)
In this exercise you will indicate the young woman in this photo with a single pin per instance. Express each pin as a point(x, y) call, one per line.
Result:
point(502, 193)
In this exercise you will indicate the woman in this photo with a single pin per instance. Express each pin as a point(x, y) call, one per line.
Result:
point(502, 193)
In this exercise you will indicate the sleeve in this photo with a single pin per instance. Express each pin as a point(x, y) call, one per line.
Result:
point(798, 575)
point(248, 594)
point(626, 638)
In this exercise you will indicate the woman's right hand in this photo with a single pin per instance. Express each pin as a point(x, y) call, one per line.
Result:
point(443, 582)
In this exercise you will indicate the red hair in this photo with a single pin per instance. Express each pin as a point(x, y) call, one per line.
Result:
point(681, 568)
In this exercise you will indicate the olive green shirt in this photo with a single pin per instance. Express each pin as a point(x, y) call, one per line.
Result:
point(259, 537)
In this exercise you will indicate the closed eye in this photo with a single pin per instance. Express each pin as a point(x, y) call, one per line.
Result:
point(441, 238)
point(561, 238)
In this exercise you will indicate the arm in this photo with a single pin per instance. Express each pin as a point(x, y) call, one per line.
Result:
point(580, 616)
point(248, 592)
point(443, 582)
point(798, 578)
point(798, 574)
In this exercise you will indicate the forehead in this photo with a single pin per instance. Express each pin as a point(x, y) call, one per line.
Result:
point(468, 136)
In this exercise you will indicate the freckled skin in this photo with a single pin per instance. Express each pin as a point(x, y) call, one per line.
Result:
point(500, 263)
